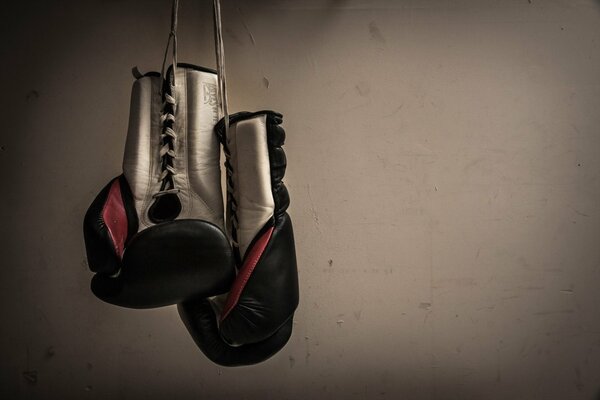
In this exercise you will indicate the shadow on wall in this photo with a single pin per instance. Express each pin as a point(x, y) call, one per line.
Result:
point(327, 13)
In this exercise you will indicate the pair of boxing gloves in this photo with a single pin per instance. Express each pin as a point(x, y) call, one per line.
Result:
point(158, 235)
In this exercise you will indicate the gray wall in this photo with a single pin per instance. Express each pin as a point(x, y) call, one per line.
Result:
point(445, 182)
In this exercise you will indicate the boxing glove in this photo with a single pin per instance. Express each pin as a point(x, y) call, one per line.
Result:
point(154, 235)
point(255, 319)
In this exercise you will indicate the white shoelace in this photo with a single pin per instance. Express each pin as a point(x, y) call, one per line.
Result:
point(167, 118)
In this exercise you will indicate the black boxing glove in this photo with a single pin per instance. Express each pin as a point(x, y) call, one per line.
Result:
point(154, 235)
point(255, 319)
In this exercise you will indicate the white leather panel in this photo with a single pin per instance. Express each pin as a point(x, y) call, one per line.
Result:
point(141, 161)
point(197, 150)
point(247, 143)
point(199, 147)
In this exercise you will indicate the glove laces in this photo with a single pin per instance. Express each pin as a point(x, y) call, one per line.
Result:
point(167, 118)
point(224, 115)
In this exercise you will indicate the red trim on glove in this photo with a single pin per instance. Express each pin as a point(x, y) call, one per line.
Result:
point(115, 218)
point(246, 271)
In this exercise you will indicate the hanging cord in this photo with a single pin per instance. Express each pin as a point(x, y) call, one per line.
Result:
point(172, 39)
point(167, 117)
point(220, 54)
point(224, 115)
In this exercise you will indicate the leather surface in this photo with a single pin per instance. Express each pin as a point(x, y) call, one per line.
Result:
point(256, 250)
point(256, 320)
point(115, 218)
point(170, 263)
point(247, 143)
point(141, 161)
point(197, 151)
point(100, 247)
point(166, 262)
point(270, 295)
point(201, 321)
point(278, 162)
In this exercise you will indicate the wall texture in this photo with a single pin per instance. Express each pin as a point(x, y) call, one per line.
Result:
point(445, 182)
